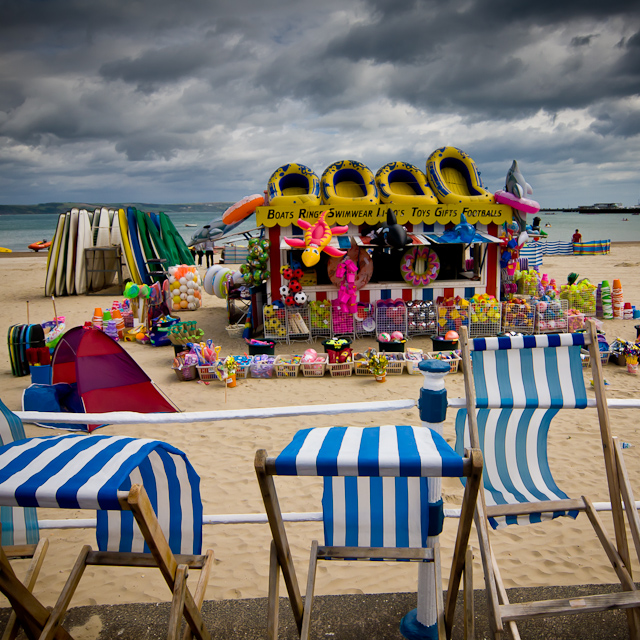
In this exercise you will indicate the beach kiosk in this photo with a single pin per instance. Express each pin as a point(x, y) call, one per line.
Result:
point(452, 250)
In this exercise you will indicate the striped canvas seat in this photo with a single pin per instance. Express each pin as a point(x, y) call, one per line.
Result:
point(77, 472)
point(19, 524)
point(516, 464)
point(376, 491)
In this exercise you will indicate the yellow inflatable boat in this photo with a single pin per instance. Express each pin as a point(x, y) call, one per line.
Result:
point(454, 178)
point(404, 184)
point(293, 184)
point(348, 182)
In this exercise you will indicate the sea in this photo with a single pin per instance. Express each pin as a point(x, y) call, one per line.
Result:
point(17, 232)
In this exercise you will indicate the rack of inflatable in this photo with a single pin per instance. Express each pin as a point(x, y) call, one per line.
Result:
point(146, 243)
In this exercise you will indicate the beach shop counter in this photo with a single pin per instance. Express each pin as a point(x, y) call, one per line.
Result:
point(465, 268)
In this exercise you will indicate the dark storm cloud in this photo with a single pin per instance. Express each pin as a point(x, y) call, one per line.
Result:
point(201, 101)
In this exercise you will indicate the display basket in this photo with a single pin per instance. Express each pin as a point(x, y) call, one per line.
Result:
point(287, 366)
point(185, 373)
point(365, 320)
point(298, 323)
point(421, 318)
point(551, 317)
point(342, 323)
point(315, 369)
point(391, 318)
point(580, 297)
point(274, 323)
point(235, 330)
point(451, 318)
point(320, 319)
point(243, 364)
point(413, 358)
point(392, 347)
point(585, 356)
point(208, 372)
point(451, 357)
point(361, 365)
point(264, 367)
point(340, 369)
point(485, 319)
point(396, 363)
point(518, 317)
point(262, 349)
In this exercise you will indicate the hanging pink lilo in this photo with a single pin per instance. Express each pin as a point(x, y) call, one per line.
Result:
point(316, 239)
point(347, 297)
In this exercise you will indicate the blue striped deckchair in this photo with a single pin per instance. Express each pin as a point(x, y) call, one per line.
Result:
point(149, 513)
point(515, 386)
point(20, 534)
point(376, 503)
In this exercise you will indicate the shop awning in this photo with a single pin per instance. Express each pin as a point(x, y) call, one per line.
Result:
point(481, 237)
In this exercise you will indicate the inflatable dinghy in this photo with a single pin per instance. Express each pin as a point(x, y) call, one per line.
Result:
point(293, 184)
point(454, 178)
point(402, 183)
point(348, 182)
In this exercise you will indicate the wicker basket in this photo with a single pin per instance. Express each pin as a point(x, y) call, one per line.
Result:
point(243, 363)
point(315, 369)
point(287, 366)
point(235, 330)
point(340, 369)
point(586, 357)
point(208, 372)
point(186, 372)
point(396, 362)
point(454, 361)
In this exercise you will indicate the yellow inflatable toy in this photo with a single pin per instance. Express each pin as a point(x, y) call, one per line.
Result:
point(404, 184)
point(293, 184)
point(454, 178)
point(348, 182)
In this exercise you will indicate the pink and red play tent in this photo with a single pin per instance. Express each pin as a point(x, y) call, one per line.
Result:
point(107, 377)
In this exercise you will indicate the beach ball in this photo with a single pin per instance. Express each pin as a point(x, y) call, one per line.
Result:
point(384, 337)
point(397, 335)
point(451, 335)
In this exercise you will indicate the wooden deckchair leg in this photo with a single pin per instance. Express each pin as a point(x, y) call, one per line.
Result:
point(274, 593)
point(64, 599)
point(471, 493)
point(279, 534)
point(469, 605)
point(502, 594)
point(138, 502)
point(177, 603)
point(201, 588)
point(33, 570)
point(627, 495)
point(311, 583)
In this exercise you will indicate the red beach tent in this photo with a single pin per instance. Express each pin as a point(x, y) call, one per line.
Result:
point(107, 377)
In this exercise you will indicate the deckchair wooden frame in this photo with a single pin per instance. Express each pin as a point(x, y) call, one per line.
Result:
point(499, 607)
point(40, 622)
point(282, 561)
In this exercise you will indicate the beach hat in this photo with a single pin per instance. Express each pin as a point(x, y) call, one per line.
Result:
point(572, 277)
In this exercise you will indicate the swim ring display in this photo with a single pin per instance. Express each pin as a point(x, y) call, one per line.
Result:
point(420, 266)
point(348, 182)
point(365, 267)
point(242, 209)
point(293, 184)
point(454, 178)
point(522, 204)
point(403, 184)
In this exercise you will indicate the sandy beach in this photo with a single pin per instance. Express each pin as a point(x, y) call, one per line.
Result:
point(555, 554)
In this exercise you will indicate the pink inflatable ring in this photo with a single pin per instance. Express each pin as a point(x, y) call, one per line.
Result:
point(522, 204)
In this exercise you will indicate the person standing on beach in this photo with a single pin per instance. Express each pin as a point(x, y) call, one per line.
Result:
point(576, 237)
point(208, 250)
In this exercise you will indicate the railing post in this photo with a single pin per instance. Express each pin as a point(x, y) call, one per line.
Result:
point(422, 622)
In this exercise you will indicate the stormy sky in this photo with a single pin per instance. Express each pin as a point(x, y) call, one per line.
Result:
point(200, 101)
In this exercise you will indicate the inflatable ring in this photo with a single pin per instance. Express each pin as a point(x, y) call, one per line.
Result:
point(420, 266)
point(522, 204)
point(365, 266)
point(454, 178)
point(242, 209)
point(293, 184)
point(404, 184)
point(348, 182)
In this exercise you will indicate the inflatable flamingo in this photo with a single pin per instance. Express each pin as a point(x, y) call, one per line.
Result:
point(316, 240)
